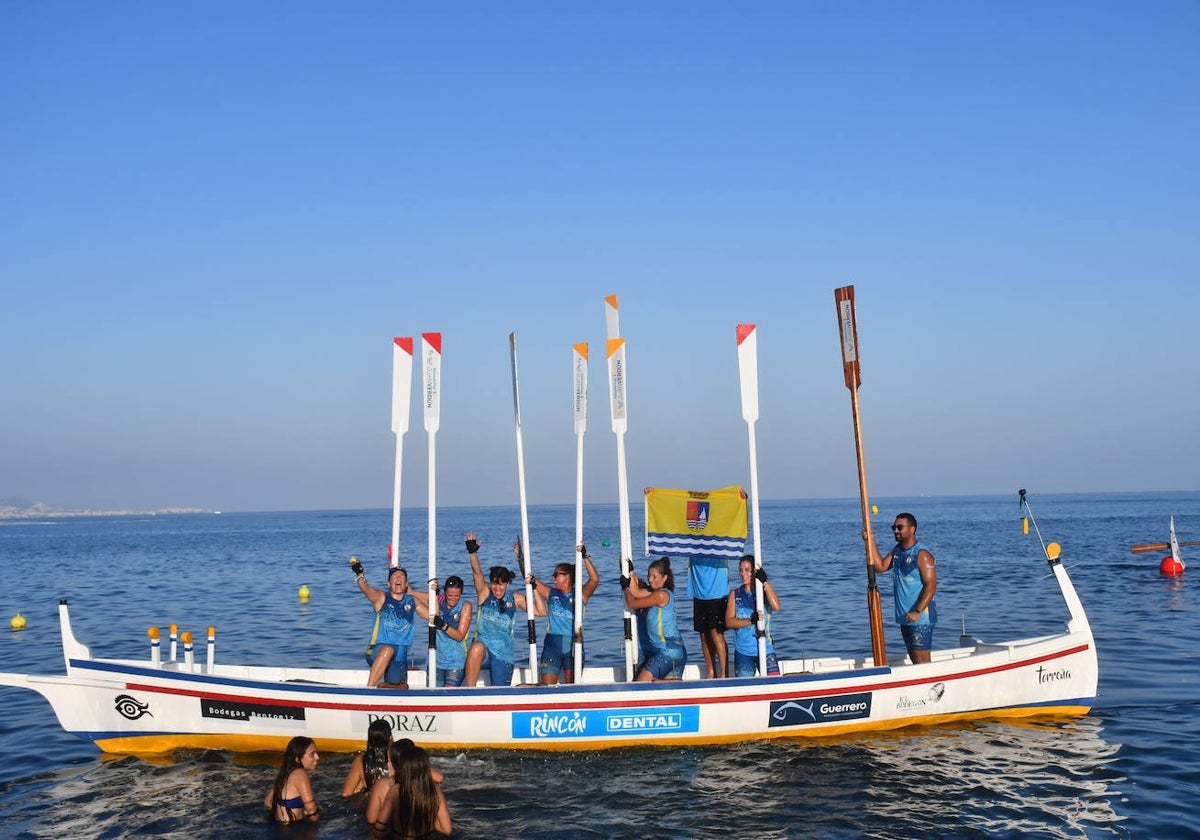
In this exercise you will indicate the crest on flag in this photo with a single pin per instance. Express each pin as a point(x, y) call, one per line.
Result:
point(697, 515)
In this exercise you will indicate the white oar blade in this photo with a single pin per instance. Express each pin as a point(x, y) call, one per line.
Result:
point(512, 354)
point(612, 318)
point(402, 365)
point(747, 344)
point(580, 369)
point(616, 383)
point(431, 388)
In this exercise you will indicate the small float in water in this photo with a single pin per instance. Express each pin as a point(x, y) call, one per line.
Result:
point(1172, 565)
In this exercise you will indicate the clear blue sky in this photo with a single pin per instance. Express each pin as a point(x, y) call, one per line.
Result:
point(216, 216)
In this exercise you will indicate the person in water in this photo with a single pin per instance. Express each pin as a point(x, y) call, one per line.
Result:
point(411, 802)
point(392, 636)
point(291, 798)
point(373, 763)
point(913, 587)
point(664, 655)
point(741, 616)
point(453, 622)
point(558, 601)
point(493, 645)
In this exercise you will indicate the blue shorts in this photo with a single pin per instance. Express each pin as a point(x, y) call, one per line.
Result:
point(662, 665)
point(917, 636)
point(449, 677)
point(500, 670)
point(397, 669)
point(745, 665)
point(557, 655)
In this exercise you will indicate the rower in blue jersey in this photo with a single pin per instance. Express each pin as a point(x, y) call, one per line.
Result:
point(453, 623)
point(558, 602)
point(741, 616)
point(663, 653)
point(395, 608)
point(493, 644)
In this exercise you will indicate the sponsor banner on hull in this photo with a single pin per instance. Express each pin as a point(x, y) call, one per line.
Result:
point(607, 723)
point(406, 722)
point(232, 710)
point(810, 710)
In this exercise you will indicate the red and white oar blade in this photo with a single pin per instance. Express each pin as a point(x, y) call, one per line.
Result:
point(579, 356)
point(848, 326)
point(402, 365)
point(431, 386)
point(616, 383)
point(747, 344)
point(612, 318)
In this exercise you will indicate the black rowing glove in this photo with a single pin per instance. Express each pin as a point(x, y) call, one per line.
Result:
point(760, 574)
point(625, 581)
point(439, 622)
point(356, 567)
point(472, 546)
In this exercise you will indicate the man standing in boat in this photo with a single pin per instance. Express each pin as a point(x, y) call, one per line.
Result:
point(914, 585)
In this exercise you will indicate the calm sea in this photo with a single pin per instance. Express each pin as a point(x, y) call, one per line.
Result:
point(1130, 769)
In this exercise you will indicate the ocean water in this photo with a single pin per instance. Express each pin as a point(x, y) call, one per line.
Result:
point(1129, 769)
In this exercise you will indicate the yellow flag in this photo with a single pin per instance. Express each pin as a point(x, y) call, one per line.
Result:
point(696, 523)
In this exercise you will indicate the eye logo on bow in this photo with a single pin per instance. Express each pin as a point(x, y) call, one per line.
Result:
point(130, 708)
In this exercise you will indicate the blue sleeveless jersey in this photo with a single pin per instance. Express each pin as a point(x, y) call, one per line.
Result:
point(560, 608)
point(494, 627)
point(708, 577)
point(396, 621)
point(907, 585)
point(451, 654)
point(745, 640)
point(657, 629)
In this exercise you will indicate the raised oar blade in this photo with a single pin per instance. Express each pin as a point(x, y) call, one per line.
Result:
point(612, 318)
point(579, 358)
point(402, 365)
point(747, 344)
point(526, 551)
point(617, 406)
point(848, 327)
point(848, 332)
point(616, 384)
point(431, 401)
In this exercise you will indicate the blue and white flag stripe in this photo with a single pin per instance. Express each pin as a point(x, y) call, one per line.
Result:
point(695, 545)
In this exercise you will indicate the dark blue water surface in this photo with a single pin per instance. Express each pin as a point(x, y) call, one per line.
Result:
point(1130, 769)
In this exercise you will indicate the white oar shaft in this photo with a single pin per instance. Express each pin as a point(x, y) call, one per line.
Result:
point(527, 551)
point(615, 347)
point(579, 371)
point(747, 344)
point(402, 361)
point(431, 401)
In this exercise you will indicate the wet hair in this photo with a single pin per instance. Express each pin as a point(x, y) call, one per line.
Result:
point(416, 808)
point(568, 569)
point(912, 520)
point(375, 756)
point(293, 755)
point(663, 566)
point(501, 574)
point(454, 582)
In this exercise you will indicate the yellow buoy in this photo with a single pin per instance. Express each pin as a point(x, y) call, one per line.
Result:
point(17, 623)
point(1024, 524)
point(303, 592)
point(874, 510)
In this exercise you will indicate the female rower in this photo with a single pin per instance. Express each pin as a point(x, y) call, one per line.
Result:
point(662, 646)
point(558, 655)
point(741, 616)
point(493, 645)
point(291, 798)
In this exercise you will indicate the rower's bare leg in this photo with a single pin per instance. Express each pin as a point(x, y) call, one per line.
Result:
point(383, 658)
point(474, 663)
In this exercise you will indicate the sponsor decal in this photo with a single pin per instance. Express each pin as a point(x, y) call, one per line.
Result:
point(1058, 675)
point(697, 515)
point(606, 722)
point(131, 708)
point(407, 722)
point(229, 710)
point(810, 710)
point(930, 698)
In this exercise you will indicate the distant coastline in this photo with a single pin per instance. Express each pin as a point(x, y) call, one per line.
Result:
point(41, 510)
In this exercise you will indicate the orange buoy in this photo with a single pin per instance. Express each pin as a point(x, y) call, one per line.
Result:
point(1170, 566)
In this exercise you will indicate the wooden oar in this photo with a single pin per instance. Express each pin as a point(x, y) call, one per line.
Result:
point(848, 327)
point(616, 400)
point(1146, 548)
point(431, 398)
point(580, 368)
point(402, 362)
point(527, 551)
point(747, 345)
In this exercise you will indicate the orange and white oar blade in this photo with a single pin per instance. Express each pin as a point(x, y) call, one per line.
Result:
point(616, 384)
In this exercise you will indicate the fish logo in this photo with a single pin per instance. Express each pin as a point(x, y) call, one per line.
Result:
point(697, 515)
point(782, 712)
point(131, 708)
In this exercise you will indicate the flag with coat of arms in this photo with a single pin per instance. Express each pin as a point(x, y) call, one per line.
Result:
point(696, 523)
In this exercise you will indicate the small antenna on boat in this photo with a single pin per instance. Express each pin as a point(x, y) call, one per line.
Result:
point(1052, 551)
